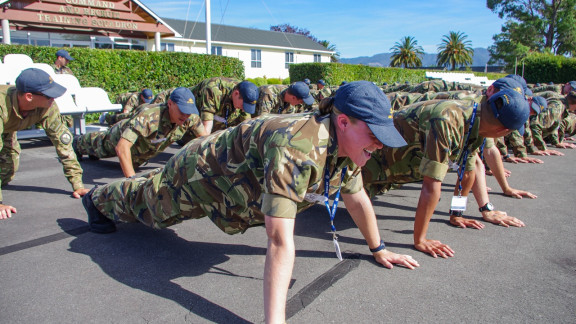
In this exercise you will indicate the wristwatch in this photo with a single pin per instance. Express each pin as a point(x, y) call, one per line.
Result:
point(487, 207)
point(457, 213)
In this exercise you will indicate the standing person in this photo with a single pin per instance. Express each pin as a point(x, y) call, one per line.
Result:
point(263, 172)
point(438, 132)
point(61, 64)
point(30, 102)
point(144, 135)
point(129, 101)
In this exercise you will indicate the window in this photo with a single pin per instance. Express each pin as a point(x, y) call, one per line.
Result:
point(256, 58)
point(217, 50)
point(168, 47)
point(289, 59)
point(317, 58)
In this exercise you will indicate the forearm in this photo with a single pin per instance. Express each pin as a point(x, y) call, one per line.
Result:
point(429, 196)
point(208, 125)
point(494, 161)
point(125, 157)
point(362, 212)
point(278, 267)
point(479, 186)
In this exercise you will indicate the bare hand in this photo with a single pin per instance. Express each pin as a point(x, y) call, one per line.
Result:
point(532, 160)
point(6, 211)
point(515, 160)
point(571, 138)
point(516, 193)
point(501, 218)
point(465, 222)
point(80, 192)
point(566, 145)
point(387, 258)
point(554, 152)
point(541, 153)
point(434, 248)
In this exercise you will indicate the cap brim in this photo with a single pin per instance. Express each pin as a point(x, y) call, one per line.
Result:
point(188, 109)
point(308, 100)
point(147, 100)
point(388, 135)
point(249, 108)
point(521, 130)
point(54, 91)
point(535, 107)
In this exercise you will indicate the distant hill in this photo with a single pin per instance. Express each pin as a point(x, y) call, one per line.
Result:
point(481, 58)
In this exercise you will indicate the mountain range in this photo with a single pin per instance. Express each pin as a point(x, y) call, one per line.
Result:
point(481, 58)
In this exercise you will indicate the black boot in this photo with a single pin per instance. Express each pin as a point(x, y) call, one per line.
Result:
point(96, 220)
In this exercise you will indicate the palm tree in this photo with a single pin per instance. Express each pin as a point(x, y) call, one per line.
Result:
point(455, 50)
point(406, 53)
point(331, 47)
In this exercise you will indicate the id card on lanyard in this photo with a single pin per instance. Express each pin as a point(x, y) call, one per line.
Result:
point(332, 209)
point(458, 202)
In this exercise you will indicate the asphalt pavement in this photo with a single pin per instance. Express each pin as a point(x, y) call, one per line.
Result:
point(53, 270)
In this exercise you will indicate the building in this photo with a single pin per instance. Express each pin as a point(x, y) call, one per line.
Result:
point(129, 24)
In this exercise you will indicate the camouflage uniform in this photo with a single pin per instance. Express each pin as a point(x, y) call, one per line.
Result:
point(549, 87)
point(129, 101)
point(399, 100)
point(435, 132)
point(163, 96)
point(214, 102)
point(546, 124)
point(62, 70)
point(50, 120)
point(271, 100)
point(150, 131)
point(515, 141)
point(568, 126)
point(264, 166)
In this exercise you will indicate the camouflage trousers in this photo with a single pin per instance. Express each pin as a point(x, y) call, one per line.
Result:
point(381, 173)
point(138, 200)
point(97, 144)
point(9, 158)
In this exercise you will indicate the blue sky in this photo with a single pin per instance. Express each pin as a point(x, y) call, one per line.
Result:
point(357, 28)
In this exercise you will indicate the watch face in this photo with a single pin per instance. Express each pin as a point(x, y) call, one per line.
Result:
point(489, 207)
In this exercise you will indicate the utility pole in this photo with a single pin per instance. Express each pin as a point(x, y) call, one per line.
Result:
point(208, 29)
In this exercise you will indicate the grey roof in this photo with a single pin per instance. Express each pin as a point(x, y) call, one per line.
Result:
point(242, 35)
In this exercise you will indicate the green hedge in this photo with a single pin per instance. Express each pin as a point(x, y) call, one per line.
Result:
point(335, 73)
point(118, 71)
point(543, 68)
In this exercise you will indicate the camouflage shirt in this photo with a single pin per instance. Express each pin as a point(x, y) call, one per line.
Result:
point(129, 101)
point(150, 131)
point(547, 124)
point(271, 100)
point(214, 101)
point(265, 166)
point(62, 70)
point(50, 119)
point(435, 132)
point(549, 87)
point(162, 97)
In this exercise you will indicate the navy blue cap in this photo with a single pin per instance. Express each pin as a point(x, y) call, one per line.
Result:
point(321, 82)
point(572, 85)
point(64, 53)
point(550, 83)
point(37, 81)
point(365, 101)
point(514, 111)
point(249, 92)
point(147, 95)
point(343, 83)
point(184, 98)
point(307, 81)
point(537, 85)
point(301, 91)
point(518, 79)
point(508, 83)
point(538, 104)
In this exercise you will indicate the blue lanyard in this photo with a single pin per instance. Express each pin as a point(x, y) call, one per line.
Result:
point(226, 119)
point(464, 157)
point(332, 210)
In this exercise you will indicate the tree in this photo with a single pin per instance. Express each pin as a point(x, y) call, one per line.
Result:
point(331, 47)
point(455, 50)
point(287, 28)
point(406, 53)
point(533, 26)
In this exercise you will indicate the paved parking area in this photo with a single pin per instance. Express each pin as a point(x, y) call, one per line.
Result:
point(55, 271)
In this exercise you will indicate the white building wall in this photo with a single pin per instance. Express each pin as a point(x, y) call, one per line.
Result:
point(273, 60)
